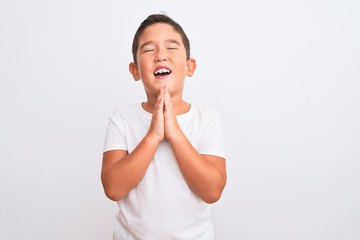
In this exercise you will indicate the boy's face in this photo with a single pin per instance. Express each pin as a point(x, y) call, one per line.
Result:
point(161, 60)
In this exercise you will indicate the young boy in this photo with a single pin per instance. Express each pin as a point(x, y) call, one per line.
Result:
point(164, 160)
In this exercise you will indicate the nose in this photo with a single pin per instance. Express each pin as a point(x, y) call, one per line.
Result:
point(160, 56)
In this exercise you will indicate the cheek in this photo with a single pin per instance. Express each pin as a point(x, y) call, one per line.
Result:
point(143, 68)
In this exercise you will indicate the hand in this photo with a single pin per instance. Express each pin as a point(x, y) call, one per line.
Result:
point(157, 121)
point(171, 126)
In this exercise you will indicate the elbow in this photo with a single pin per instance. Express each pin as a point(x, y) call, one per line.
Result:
point(211, 200)
point(111, 191)
point(212, 197)
point(113, 195)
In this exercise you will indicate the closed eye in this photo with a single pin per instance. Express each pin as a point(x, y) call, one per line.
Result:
point(147, 47)
point(173, 45)
point(148, 50)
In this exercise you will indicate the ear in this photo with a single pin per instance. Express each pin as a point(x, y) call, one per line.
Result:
point(191, 63)
point(134, 71)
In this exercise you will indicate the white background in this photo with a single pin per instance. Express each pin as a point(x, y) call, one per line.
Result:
point(284, 76)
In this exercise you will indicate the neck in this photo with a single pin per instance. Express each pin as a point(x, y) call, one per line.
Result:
point(180, 106)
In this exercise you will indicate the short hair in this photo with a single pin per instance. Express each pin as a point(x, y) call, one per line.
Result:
point(159, 18)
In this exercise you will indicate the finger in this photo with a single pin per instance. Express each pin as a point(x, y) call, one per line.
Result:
point(167, 93)
point(168, 104)
point(161, 92)
point(166, 89)
point(160, 101)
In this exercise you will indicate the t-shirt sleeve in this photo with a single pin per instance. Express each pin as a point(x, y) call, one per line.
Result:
point(212, 139)
point(115, 134)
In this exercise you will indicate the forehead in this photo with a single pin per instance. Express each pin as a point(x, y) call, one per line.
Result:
point(159, 32)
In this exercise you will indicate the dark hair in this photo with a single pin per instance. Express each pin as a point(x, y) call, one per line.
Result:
point(159, 18)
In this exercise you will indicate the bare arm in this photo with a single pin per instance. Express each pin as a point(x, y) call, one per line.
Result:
point(205, 174)
point(121, 171)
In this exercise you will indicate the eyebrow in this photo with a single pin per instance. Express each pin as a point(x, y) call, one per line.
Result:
point(172, 41)
point(151, 42)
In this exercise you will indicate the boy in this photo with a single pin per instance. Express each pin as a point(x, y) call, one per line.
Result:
point(164, 160)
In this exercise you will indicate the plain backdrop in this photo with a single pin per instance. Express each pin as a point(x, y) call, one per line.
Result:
point(284, 76)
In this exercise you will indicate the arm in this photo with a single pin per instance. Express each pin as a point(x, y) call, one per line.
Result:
point(205, 174)
point(121, 171)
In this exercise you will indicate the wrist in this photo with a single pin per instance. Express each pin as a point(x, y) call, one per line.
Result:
point(152, 138)
point(175, 136)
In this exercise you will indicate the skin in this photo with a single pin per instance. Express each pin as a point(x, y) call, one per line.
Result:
point(161, 46)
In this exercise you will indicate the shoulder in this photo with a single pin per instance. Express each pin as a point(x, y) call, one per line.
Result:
point(205, 116)
point(125, 111)
point(128, 114)
point(204, 111)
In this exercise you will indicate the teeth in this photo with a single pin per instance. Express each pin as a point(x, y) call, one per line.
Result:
point(162, 70)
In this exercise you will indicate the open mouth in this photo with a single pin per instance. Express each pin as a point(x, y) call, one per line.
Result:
point(162, 72)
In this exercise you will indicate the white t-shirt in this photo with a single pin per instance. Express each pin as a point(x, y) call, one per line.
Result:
point(162, 205)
